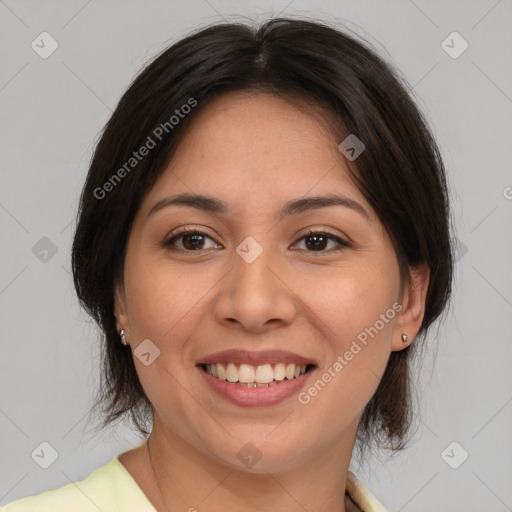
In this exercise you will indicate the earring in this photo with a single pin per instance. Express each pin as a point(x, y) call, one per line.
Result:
point(123, 337)
point(404, 338)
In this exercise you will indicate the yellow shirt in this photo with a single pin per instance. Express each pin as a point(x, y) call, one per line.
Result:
point(111, 488)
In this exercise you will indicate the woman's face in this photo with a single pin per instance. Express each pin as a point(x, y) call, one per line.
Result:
point(254, 282)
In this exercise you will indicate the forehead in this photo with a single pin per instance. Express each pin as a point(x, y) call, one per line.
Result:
point(256, 148)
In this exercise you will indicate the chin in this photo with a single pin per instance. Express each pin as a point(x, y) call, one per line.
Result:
point(258, 454)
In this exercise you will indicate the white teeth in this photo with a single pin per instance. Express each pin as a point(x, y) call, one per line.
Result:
point(248, 375)
point(290, 371)
point(279, 371)
point(232, 373)
point(264, 374)
point(221, 373)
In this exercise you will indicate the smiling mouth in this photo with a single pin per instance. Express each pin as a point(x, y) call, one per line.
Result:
point(261, 376)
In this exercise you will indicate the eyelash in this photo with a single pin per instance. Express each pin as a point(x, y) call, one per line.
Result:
point(169, 242)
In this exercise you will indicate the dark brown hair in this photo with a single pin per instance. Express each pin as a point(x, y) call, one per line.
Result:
point(400, 173)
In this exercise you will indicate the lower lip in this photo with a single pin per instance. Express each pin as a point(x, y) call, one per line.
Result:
point(254, 397)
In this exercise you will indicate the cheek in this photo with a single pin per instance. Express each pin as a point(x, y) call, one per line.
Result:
point(163, 307)
point(348, 300)
point(357, 316)
point(164, 302)
point(340, 390)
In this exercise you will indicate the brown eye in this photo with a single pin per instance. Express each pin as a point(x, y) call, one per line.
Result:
point(317, 241)
point(192, 240)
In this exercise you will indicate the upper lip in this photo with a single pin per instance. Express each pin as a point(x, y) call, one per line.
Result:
point(255, 358)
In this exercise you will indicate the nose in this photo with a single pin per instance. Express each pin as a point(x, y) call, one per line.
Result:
point(256, 296)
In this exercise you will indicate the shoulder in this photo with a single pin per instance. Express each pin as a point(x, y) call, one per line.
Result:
point(95, 492)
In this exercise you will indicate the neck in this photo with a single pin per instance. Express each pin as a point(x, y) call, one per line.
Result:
point(187, 479)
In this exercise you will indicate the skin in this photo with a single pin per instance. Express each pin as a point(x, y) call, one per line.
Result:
point(256, 152)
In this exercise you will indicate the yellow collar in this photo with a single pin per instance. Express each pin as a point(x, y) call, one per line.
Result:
point(362, 496)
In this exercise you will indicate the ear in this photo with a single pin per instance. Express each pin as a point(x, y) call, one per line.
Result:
point(120, 309)
point(413, 307)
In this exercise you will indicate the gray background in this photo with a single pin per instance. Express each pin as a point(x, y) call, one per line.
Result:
point(52, 111)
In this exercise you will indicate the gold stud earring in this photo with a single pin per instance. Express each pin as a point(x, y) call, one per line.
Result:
point(404, 338)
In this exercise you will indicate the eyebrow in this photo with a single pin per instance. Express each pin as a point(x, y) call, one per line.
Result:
point(293, 207)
